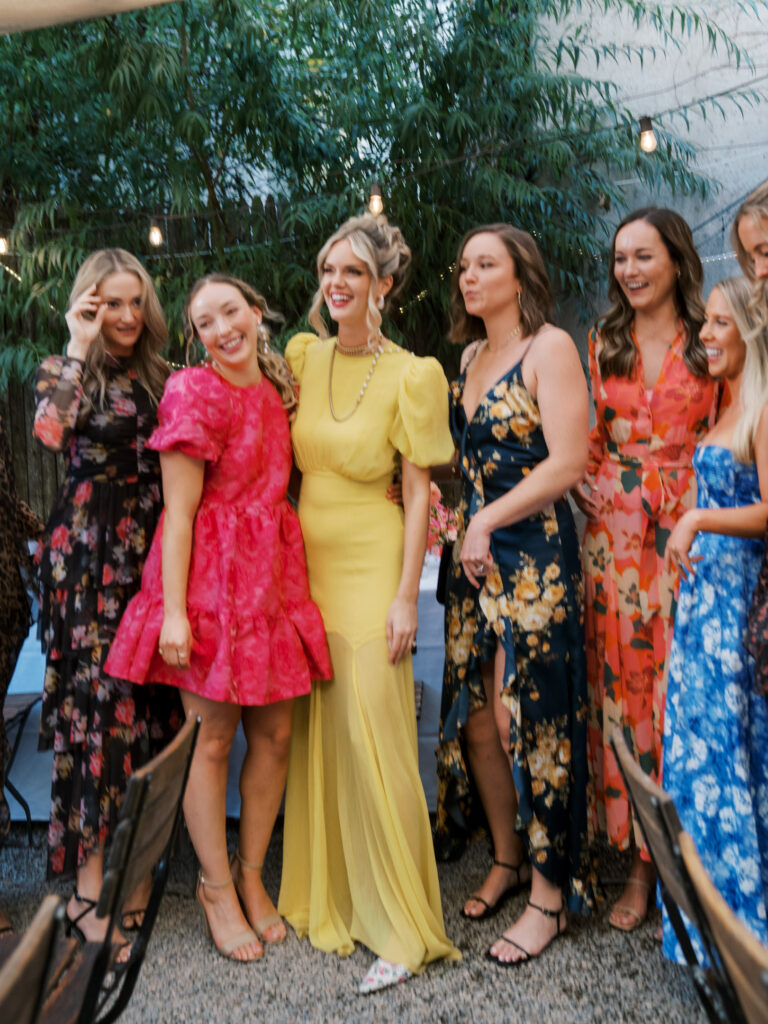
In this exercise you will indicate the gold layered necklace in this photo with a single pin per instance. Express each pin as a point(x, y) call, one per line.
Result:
point(359, 350)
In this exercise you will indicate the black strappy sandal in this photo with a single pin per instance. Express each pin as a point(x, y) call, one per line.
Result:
point(491, 909)
point(529, 956)
point(121, 951)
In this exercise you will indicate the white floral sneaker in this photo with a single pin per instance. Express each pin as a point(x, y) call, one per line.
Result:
point(382, 974)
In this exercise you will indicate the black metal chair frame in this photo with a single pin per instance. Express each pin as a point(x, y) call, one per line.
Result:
point(109, 986)
point(713, 986)
point(18, 722)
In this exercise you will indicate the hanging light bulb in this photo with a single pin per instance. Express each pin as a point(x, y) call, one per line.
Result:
point(155, 235)
point(375, 200)
point(648, 140)
point(3, 245)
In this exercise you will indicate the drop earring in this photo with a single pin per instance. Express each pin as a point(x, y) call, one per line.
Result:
point(380, 302)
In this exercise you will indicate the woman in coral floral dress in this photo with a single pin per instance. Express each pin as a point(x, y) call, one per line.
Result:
point(224, 611)
point(97, 405)
point(653, 401)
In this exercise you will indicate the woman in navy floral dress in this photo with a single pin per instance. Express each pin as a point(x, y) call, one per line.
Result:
point(514, 711)
point(98, 405)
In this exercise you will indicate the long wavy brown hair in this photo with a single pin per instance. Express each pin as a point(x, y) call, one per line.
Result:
point(151, 369)
point(617, 354)
point(537, 301)
point(271, 363)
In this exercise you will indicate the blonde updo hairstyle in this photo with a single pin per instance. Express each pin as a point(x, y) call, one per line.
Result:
point(753, 393)
point(756, 207)
point(151, 369)
point(271, 363)
point(383, 250)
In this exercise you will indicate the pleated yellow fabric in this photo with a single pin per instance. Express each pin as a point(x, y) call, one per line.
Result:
point(358, 862)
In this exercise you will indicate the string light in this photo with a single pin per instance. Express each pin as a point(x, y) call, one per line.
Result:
point(3, 245)
point(155, 235)
point(648, 140)
point(375, 200)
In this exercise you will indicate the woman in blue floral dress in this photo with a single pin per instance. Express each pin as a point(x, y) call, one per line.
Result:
point(514, 711)
point(98, 405)
point(716, 725)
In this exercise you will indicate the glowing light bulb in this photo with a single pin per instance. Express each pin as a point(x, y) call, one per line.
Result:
point(375, 201)
point(648, 140)
point(3, 246)
point(155, 235)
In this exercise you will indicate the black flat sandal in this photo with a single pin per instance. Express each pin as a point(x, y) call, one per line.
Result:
point(491, 909)
point(529, 956)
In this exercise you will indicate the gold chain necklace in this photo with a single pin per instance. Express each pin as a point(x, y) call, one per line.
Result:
point(513, 335)
point(357, 350)
point(341, 419)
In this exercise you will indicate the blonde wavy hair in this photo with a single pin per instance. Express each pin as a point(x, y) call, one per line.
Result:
point(756, 207)
point(753, 393)
point(151, 369)
point(383, 250)
point(271, 363)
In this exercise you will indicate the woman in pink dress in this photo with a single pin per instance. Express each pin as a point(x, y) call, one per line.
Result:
point(654, 401)
point(224, 611)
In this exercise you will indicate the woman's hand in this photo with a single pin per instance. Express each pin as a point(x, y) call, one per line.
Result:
point(584, 499)
point(84, 319)
point(176, 641)
point(475, 555)
point(679, 544)
point(402, 623)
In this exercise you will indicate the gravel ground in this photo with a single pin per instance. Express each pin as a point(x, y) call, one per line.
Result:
point(593, 974)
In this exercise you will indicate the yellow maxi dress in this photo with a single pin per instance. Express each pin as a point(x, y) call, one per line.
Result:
point(358, 861)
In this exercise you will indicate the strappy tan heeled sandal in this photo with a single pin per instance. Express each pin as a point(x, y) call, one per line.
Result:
point(619, 908)
point(261, 925)
point(244, 938)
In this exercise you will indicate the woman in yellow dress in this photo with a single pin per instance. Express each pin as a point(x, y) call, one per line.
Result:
point(358, 862)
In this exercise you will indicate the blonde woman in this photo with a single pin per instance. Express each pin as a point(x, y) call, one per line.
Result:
point(98, 405)
point(749, 235)
point(358, 863)
point(716, 725)
point(224, 610)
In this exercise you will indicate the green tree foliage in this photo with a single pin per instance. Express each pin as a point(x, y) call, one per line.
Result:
point(251, 129)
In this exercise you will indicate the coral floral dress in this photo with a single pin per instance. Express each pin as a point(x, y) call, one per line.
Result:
point(641, 461)
point(258, 638)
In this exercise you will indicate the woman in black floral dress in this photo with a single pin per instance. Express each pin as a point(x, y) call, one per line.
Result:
point(98, 405)
point(514, 711)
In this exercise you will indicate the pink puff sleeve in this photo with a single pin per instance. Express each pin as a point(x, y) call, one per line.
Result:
point(194, 415)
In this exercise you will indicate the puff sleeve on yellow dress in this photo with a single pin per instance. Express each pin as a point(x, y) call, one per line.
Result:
point(358, 863)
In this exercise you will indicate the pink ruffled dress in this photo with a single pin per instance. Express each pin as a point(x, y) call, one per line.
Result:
point(258, 638)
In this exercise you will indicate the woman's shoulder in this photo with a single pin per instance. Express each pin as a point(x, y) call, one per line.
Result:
point(298, 349)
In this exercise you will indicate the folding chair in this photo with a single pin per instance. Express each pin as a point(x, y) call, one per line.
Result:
point(24, 974)
point(94, 988)
point(659, 821)
point(744, 958)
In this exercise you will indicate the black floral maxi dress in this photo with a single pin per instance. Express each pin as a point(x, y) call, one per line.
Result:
point(17, 523)
point(531, 602)
point(89, 564)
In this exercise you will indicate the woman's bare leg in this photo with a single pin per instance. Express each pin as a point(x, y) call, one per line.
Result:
point(262, 782)
point(205, 814)
point(492, 771)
